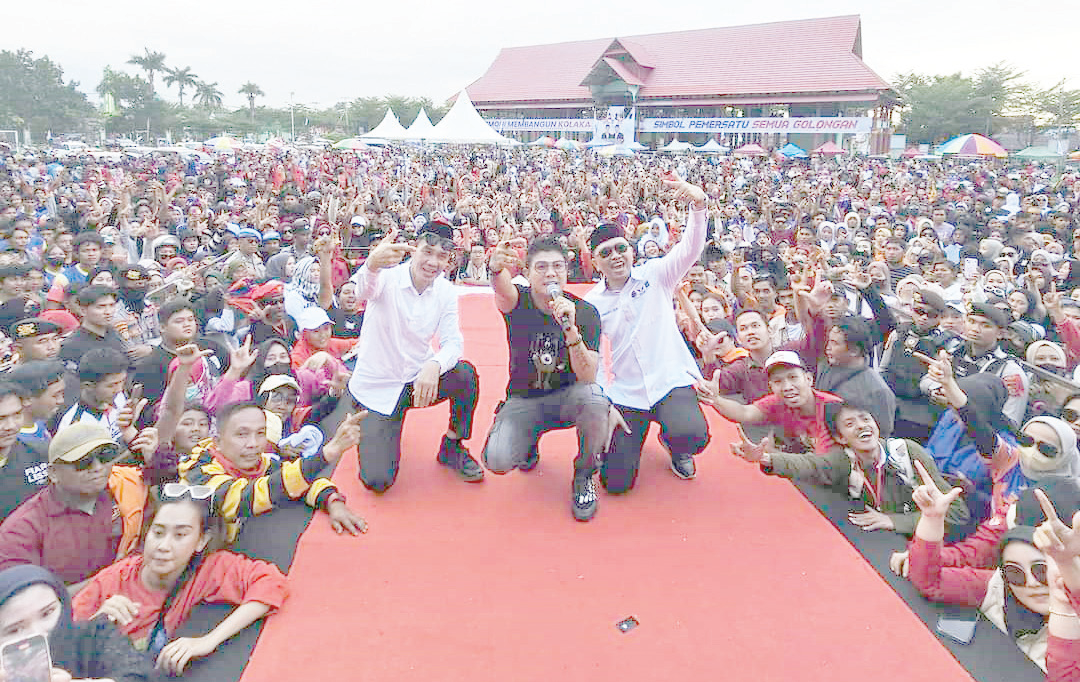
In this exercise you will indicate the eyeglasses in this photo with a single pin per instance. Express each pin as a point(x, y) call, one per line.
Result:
point(272, 301)
point(173, 491)
point(1070, 415)
point(1015, 574)
point(605, 252)
point(104, 454)
point(1047, 449)
point(557, 266)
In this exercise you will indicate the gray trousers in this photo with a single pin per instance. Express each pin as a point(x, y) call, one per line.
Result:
point(519, 423)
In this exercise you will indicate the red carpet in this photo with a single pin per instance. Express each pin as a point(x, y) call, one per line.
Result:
point(732, 575)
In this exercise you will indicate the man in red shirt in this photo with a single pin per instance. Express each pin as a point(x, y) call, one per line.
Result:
point(793, 405)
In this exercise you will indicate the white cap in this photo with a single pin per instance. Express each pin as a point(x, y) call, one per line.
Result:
point(787, 358)
point(311, 318)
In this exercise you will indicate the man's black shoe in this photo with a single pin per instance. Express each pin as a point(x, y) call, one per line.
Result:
point(584, 498)
point(532, 460)
point(454, 455)
point(683, 467)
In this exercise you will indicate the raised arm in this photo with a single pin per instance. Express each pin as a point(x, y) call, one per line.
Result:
point(674, 265)
point(503, 263)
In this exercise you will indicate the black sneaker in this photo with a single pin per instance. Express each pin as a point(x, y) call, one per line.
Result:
point(532, 460)
point(683, 467)
point(454, 455)
point(584, 499)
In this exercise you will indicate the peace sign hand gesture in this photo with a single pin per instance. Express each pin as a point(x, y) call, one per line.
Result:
point(931, 501)
point(747, 449)
point(1060, 542)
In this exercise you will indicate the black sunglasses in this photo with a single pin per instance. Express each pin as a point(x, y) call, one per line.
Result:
point(617, 248)
point(1026, 441)
point(1016, 575)
point(105, 454)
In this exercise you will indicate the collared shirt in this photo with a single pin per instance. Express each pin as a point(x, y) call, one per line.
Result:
point(69, 542)
point(399, 326)
point(648, 355)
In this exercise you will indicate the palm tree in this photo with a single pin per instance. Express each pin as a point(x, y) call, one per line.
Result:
point(181, 78)
point(251, 91)
point(208, 95)
point(151, 63)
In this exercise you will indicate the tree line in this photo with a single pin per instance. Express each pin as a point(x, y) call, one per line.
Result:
point(34, 97)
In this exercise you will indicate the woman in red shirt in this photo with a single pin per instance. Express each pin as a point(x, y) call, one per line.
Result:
point(150, 595)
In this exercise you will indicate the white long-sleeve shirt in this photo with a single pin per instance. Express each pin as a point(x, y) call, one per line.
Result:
point(648, 355)
point(399, 326)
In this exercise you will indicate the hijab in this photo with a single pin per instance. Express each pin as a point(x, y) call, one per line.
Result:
point(301, 281)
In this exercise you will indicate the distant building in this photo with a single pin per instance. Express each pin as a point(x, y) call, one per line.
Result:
point(685, 83)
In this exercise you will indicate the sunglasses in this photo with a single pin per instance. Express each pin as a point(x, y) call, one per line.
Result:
point(272, 301)
point(617, 248)
point(926, 312)
point(173, 491)
point(1070, 415)
point(1048, 450)
point(1015, 574)
point(104, 454)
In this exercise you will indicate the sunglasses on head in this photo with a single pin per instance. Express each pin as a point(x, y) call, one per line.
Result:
point(105, 454)
point(1015, 574)
point(617, 248)
point(1070, 415)
point(174, 491)
point(1047, 449)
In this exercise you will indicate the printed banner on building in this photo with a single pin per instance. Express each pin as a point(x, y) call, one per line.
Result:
point(806, 124)
point(573, 125)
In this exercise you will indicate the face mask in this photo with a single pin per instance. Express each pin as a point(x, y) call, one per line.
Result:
point(278, 368)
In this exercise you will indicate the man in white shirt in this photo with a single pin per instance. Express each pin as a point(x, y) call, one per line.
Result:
point(652, 371)
point(409, 305)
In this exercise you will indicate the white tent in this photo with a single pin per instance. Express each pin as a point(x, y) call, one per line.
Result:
point(710, 147)
point(676, 147)
point(421, 128)
point(389, 129)
point(462, 125)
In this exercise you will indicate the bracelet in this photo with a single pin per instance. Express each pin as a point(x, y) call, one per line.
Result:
point(579, 340)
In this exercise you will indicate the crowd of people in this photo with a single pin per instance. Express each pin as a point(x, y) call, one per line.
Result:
point(188, 345)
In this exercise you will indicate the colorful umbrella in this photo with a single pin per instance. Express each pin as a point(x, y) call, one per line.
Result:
point(350, 143)
point(545, 141)
point(751, 149)
point(223, 143)
point(973, 145)
point(829, 149)
point(566, 145)
point(911, 153)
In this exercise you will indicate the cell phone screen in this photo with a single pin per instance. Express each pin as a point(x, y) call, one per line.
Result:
point(958, 623)
point(27, 660)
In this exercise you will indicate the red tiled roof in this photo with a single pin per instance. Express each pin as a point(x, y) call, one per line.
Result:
point(810, 55)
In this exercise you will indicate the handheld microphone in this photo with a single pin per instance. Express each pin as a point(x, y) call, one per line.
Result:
point(554, 292)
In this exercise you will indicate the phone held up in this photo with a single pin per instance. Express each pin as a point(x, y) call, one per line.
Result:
point(27, 660)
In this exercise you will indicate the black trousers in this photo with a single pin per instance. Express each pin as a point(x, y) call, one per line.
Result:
point(683, 431)
point(380, 435)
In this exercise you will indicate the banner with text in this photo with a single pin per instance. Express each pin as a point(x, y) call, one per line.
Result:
point(805, 124)
point(529, 125)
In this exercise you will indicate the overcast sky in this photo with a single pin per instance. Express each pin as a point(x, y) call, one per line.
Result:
point(328, 51)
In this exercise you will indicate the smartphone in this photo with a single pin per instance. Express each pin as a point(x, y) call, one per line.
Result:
point(27, 660)
point(971, 268)
point(958, 623)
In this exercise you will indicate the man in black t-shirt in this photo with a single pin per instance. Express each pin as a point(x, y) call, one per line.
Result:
point(554, 358)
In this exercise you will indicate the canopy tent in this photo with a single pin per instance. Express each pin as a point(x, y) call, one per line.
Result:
point(676, 146)
point(911, 153)
point(751, 149)
point(830, 148)
point(636, 146)
point(1037, 154)
point(421, 128)
point(973, 145)
point(462, 125)
point(710, 147)
point(389, 129)
point(793, 151)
